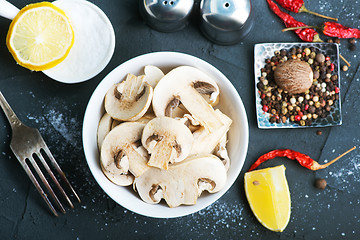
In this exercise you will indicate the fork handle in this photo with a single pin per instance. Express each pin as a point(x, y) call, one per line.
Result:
point(11, 116)
point(8, 10)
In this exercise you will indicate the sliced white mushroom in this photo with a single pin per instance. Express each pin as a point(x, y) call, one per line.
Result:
point(104, 128)
point(115, 123)
point(186, 84)
point(146, 118)
point(128, 100)
point(221, 152)
point(119, 152)
point(183, 182)
point(167, 140)
point(153, 75)
point(204, 141)
point(119, 179)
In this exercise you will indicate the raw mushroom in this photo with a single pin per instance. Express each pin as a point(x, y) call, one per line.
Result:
point(146, 118)
point(221, 152)
point(205, 142)
point(115, 123)
point(128, 100)
point(104, 128)
point(153, 75)
point(120, 153)
point(184, 84)
point(183, 182)
point(119, 179)
point(167, 140)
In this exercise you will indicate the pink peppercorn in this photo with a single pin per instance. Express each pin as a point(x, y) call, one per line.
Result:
point(265, 108)
point(306, 107)
point(297, 118)
point(332, 67)
point(337, 90)
point(327, 58)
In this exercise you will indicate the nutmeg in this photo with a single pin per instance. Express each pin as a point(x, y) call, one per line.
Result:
point(294, 76)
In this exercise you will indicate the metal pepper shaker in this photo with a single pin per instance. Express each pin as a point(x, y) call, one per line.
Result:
point(166, 15)
point(225, 22)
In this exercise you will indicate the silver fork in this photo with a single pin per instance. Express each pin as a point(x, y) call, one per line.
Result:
point(27, 145)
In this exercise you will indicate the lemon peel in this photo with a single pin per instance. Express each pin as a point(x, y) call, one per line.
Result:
point(268, 194)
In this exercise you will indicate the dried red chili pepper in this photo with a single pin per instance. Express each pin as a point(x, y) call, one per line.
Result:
point(331, 29)
point(301, 158)
point(298, 6)
point(306, 34)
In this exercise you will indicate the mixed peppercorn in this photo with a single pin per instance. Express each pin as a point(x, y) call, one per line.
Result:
point(303, 108)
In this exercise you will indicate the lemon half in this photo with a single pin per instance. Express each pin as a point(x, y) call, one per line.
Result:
point(268, 194)
point(40, 36)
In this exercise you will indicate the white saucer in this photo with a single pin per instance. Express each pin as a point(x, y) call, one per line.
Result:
point(94, 42)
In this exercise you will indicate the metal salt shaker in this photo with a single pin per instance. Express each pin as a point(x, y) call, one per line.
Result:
point(166, 15)
point(225, 22)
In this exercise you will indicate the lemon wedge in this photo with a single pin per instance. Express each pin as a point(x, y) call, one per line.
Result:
point(40, 36)
point(268, 194)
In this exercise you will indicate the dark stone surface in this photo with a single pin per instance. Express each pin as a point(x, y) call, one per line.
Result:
point(57, 110)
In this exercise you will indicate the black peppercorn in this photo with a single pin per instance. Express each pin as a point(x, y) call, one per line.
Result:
point(320, 183)
point(352, 40)
point(352, 47)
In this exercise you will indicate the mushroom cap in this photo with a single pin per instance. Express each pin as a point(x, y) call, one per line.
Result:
point(178, 79)
point(104, 128)
point(119, 150)
point(153, 75)
point(169, 132)
point(183, 182)
point(118, 179)
point(128, 100)
point(186, 84)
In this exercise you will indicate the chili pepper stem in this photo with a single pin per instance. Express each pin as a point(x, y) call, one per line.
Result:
point(304, 9)
point(347, 63)
point(296, 28)
point(317, 38)
point(317, 166)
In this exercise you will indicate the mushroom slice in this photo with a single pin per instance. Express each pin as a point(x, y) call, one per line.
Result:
point(119, 179)
point(115, 123)
point(146, 118)
point(204, 141)
point(153, 75)
point(104, 128)
point(206, 90)
point(167, 140)
point(129, 100)
point(221, 152)
point(119, 151)
point(179, 85)
point(183, 182)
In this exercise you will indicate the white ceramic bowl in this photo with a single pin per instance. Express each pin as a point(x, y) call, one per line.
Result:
point(230, 104)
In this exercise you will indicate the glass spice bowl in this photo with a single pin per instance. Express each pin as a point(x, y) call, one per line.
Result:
point(318, 107)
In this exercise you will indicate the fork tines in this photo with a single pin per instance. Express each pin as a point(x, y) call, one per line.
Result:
point(39, 154)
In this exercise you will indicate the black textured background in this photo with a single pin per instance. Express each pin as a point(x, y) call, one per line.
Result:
point(57, 110)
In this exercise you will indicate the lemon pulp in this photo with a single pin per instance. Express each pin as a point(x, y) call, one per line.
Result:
point(268, 194)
